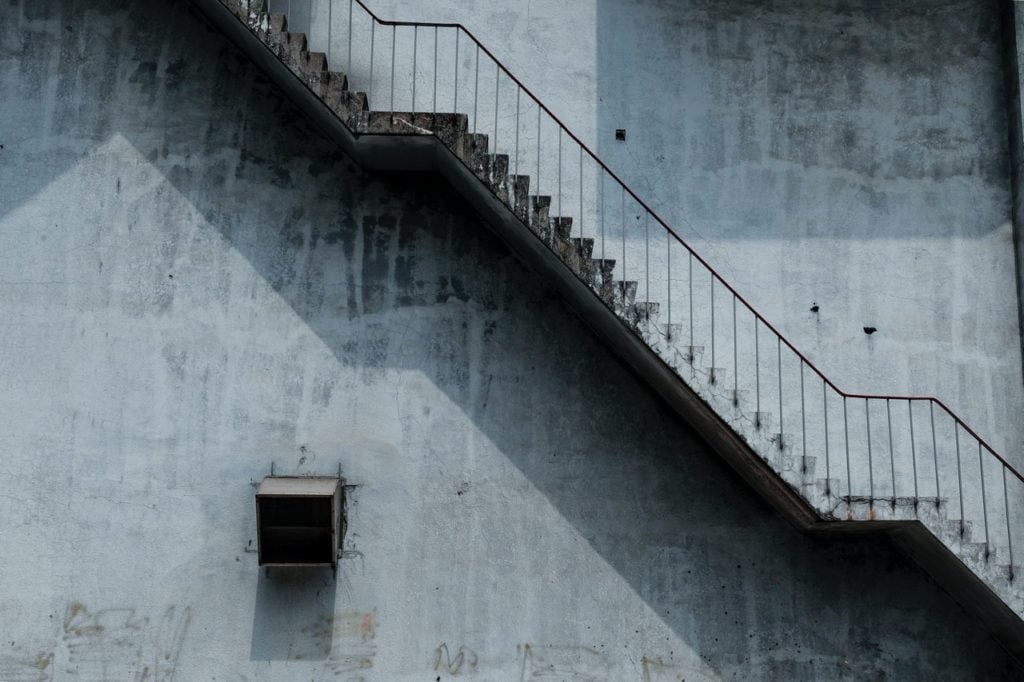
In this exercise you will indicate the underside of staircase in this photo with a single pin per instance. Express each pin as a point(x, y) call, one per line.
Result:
point(980, 575)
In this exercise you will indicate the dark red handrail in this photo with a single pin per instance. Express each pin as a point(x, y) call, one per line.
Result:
point(684, 244)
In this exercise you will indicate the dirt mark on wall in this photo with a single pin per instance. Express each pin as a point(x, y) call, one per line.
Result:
point(120, 643)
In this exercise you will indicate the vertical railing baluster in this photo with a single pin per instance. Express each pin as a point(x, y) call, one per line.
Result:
point(757, 375)
point(497, 81)
point(415, 41)
point(455, 104)
point(959, 475)
point(647, 266)
point(711, 374)
point(778, 348)
point(803, 422)
point(871, 468)
point(828, 465)
point(849, 477)
point(668, 279)
point(622, 210)
point(1009, 534)
point(538, 227)
point(348, 66)
point(735, 358)
point(515, 181)
point(892, 456)
point(394, 35)
point(935, 452)
point(689, 275)
point(369, 87)
point(476, 86)
point(913, 450)
point(433, 105)
point(330, 27)
point(601, 189)
point(558, 176)
point(581, 196)
point(984, 503)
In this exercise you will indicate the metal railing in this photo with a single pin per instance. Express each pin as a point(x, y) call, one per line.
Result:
point(876, 449)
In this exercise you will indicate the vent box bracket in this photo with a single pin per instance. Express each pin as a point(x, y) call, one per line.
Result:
point(297, 520)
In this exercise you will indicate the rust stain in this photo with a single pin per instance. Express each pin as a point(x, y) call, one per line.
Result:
point(366, 625)
point(73, 625)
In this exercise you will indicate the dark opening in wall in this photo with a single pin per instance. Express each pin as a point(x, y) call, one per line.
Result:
point(297, 521)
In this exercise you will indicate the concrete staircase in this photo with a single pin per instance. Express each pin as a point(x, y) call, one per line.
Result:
point(807, 472)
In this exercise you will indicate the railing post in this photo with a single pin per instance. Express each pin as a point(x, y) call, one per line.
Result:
point(581, 196)
point(668, 281)
point(913, 450)
point(828, 468)
point(601, 189)
point(455, 104)
point(415, 46)
point(538, 156)
point(516, 173)
point(757, 375)
point(348, 66)
point(735, 358)
point(984, 503)
point(647, 266)
point(892, 455)
point(959, 475)
point(803, 422)
point(497, 82)
point(369, 87)
point(713, 364)
point(394, 34)
point(433, 105)
point(1009, 534)
point(935, 452)
point(849, 477)
point(778, 349)
point(476, 86)
point(622, 209)
point(871, 468)
point(689, 353)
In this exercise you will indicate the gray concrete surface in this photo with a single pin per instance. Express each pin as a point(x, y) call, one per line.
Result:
point(196, 285)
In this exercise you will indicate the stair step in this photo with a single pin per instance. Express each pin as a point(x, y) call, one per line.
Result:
point(561, 228)
point(471, 148)
point(624, 294)
point(333, 90)
point(519, 201)
point(583, 247)
point(314, 62)
point(538, 214)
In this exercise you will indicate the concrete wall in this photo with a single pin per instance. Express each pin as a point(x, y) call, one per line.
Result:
point(852, 155)
point(194, 285)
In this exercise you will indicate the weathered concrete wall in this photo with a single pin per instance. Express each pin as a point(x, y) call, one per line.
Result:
point(852, 155)
point(193, 285)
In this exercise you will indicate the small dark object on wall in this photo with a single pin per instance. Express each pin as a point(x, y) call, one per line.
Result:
point(620, 133)
point(298, 520)
point(814, 307)
point(869, 330)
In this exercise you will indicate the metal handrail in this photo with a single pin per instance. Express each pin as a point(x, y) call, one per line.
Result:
point(683, 242)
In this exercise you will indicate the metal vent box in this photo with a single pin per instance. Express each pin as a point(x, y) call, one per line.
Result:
point(297, 520)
